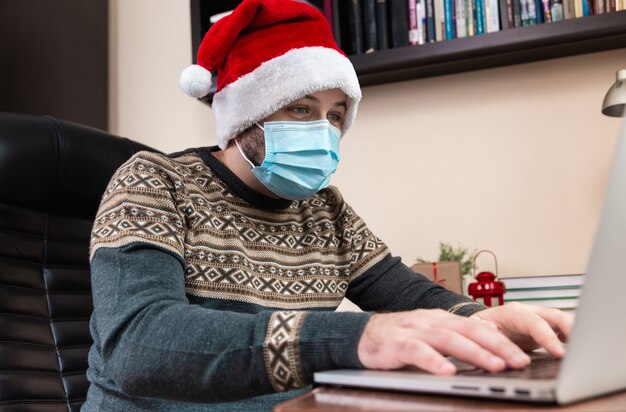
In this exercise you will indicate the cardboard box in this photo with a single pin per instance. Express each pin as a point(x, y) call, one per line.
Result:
point(446, 274)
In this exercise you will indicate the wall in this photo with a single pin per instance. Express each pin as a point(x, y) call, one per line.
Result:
point(512, 159)
point(53, 59)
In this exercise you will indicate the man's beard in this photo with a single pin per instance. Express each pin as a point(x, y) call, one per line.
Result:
point(252, 142)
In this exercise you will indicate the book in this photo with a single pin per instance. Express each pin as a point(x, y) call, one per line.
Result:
point(517, 16)
point(568, 9)
point(479, 17)
point(469, 17)
point(461, 21)
point(370, 34)
point(328, 11)
point(506, 14)
point(336, 23)
point(547, 14)
point(413, 32)
point(399, 22)
point(542, 293)
point(556, 9)
point(578, 8)
point(552, 281)
point(440, 18)
point(598, 6)
point(381, 24)
point(356, 26)
point(421, 21)
point(449, 19)
point(217, 17)
point(493, 15)
point(430, 21)
point(535, 15)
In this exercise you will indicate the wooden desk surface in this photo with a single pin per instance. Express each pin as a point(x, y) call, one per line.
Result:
point(329, 399)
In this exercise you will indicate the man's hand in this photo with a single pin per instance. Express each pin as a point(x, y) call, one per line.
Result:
point(531, 327)
point(486, 339)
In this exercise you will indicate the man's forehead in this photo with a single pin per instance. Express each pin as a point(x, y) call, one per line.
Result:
point(341, 102)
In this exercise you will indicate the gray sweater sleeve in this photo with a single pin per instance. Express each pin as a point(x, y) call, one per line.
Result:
point(154, 343)
point(390, 285)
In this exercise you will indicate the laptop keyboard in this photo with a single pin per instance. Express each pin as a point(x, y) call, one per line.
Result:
point(542, 366)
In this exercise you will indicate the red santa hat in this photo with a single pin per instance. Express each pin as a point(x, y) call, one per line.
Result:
point(267, 54)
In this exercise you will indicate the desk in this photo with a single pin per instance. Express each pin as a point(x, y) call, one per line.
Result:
point(329, 399)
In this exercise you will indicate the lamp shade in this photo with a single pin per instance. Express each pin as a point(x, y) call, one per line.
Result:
point(615, 100)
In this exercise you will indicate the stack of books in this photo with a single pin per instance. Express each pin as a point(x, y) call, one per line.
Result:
point(558, 291)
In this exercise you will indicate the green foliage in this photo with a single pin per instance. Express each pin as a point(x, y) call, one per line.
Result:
point(448, 253)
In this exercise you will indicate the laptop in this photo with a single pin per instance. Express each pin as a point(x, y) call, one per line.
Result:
point(595, 359)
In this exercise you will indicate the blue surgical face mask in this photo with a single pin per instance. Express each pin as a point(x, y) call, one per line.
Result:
point(299, 157)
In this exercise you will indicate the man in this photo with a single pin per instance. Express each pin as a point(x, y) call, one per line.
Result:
point(215, 273)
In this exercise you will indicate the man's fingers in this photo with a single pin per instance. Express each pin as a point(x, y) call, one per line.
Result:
point(490, 340)
point(533, 325)
point(558, 320)
point(452, 343)
point(422, 355)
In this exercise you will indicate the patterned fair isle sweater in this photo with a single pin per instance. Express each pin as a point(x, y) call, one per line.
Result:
point(210, 296)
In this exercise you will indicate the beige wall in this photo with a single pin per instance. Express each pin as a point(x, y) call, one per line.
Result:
point(512, 159)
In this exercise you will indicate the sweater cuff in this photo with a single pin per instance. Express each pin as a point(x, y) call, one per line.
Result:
point(330, 340)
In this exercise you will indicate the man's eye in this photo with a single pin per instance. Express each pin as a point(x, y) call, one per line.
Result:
point(334, 117)
point(300, 109)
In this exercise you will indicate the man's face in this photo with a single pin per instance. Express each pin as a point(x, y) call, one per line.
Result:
point(328, 104)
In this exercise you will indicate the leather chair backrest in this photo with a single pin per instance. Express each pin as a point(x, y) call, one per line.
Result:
point(52, 177)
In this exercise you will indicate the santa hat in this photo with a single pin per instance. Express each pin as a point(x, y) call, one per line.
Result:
point(267, 54)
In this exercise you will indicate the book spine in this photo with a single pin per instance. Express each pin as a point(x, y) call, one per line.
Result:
point(421, 21)
point(430, 21)
point(413, 31)
point(596, 7)
point(370, 35)
point(506, 14)
point(517, 14)
point(578, 8)
point(356, 26)
point(494, 16)
point(556, 9)
point(440, 30)
point(381, 24)
point(568, 9)
point(590, 8)
point(448, 19)
point(547, 15)
point(480, 17)
point(524, 12)
point(469, 17)
point(585, 8)
point(461, 21)
point(534, 12)
point(612, 5)
point(336, 23)
point(399, 19)
point(328, 11)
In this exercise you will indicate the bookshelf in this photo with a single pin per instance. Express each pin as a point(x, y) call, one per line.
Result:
point(512, 46)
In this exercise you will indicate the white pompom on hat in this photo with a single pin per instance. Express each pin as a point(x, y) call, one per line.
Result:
point(267, 54)
point(196, 81)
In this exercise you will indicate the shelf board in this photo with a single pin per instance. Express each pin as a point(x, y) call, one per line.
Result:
point(513, 46)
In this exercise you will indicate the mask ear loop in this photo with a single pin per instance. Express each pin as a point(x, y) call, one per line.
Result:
point(243, 154)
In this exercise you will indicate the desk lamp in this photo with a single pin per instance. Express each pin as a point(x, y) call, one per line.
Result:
point(614, 103)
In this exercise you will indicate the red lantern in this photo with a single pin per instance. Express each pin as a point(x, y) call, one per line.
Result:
point(487, 286)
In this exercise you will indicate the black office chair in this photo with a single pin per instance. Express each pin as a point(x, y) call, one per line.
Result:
point(52, 177)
